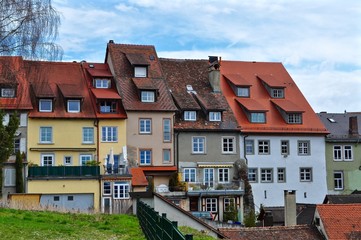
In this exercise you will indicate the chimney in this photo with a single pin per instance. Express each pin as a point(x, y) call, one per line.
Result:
point(214, 73)
point(353, 127)
point(290, 207)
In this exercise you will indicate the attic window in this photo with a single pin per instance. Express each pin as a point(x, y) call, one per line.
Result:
point(294, 118)
point(108, 106)
point(73, 106)
point(331, 120)
point(140, 71)
point(242, 92)
point(102, 83)
point(45, 105)
point(257, 117)
point(215, 116)
point(190, 115)
point(277, 93)
point(7, 92)
point(148, 96)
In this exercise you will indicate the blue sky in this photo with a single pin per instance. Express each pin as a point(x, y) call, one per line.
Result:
point(319, 42)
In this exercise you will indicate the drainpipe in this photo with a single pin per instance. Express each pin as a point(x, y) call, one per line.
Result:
point(244, 148)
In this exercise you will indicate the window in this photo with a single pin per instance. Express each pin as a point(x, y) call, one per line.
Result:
point(249, 147)
point(107, 190)
point(45, 105)
point(47, 160)
point(46, 134)
point(347, 150)
point(16, 145)
point(263, 147)
point(102, 83)
point(7, 92)
point(228, 145)
point(167, 130)
point(229, 204)
point(10, 177)
point(190, 115)
point(84, 158)
point(88, 135)
point(121, 190)
point(70, 198)
point(252, 174)
point(73, 106)
point(337, 153)
point(338, 180)
point(166, 156)
point(108, 107)
point(198, 144)
point(189, 174)
point(295, 118)
point(211, 204)
point(258, 117)
point(266, 175)
point(223, 175)
point(277, 93)
point(304, 148)
point(215, 116)
point(68, 160)
point(285, 146)
point(145, 126)
point(242, 91)
point(56, 198)
point(342, 153)
point(145, 157)
point(305, 174)
point(209, 177)
point(147, 96)
point(281, 175)
point(140, 71)
point(109, 134)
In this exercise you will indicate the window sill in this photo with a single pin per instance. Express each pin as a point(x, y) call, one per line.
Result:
point(44, 143)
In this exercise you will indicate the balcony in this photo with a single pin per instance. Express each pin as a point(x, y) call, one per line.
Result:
point(64, 172)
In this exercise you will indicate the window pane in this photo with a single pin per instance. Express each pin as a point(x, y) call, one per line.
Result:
point(167, 130)
point(258, 117)
point(45, 105)
point(166, 155)
point(147, 96)
point(140, 71)
point(73, 106)
point(243, 91)
point(214, 116)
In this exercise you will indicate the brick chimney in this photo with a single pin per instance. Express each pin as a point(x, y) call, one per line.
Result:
point(353, 126)
point(214, 73)
point(290, 207)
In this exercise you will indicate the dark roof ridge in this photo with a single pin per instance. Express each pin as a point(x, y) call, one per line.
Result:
point(183, 59)
point(132, 45)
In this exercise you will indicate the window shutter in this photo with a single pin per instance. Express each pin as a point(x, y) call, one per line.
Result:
point(9, 177)
point(22, 145)
point(6, 119)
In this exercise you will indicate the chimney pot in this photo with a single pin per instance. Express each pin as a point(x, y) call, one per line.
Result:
point(353, 126)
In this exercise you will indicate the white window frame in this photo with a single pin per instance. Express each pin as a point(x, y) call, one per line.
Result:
point(337, 153)
point(102, 83)
point(41, 109)
point(254, 173)
point(266, 175)
point(109, 134)
point(243, 92)
point(285, 147)
point(228, 145)
point(258, 117)
point(338, 181)
point(140, 71)
point(223, 175)
point(211, 205)
point(145, 126)
point(306, 174)
point(43, 134)
point(88, 135)
point(227, 202)
point(167, 156)
point(66, 158)
point(46, 155)
point(69, 105)
point(188, 174)
point(294, 118)
point(342, 153)
point(281, 175)
point(8, 92)
point(215, 116)
point(348, 153)
point(146, 154)
point(121, 190)
point(84, 158)
point(208, 174)
point(190, 115)
point(147, 96)
point(264, 147)
point(249, 147)
point(10, 177)
point(198, 145)
point(167, 130)
point(304, 148)
point(107, 190)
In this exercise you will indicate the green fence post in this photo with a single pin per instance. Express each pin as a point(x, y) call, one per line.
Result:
point(189, 237)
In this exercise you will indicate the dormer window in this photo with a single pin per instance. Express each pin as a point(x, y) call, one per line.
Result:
point(215, 116)
point(242, 92)
point(7, 92)
point(73, 106)
point(294, 118)
point(45, 105)
point(108, 107)
point(190, 115)
point(102, 83)
point(147, 96)
point(257, 117)
point(277, 93)
point(140, 71)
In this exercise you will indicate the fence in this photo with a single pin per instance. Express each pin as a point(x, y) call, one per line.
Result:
point(156, 227)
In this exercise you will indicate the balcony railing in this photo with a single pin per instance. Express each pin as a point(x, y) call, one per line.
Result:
point(64, 171)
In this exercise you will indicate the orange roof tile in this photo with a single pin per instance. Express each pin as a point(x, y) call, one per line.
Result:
point(251, 105)
point(237, 80)
point(340, 221)
point(138, 177)
point(102, 93)
point(159, 169)
point(287, 106)
point(99, 72)
point(70, 90)
point(274, 74)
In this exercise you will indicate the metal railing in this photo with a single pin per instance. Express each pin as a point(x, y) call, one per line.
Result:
point(156, 227)
point(64, 171)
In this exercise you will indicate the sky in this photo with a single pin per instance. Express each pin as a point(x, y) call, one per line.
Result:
point(318, 42)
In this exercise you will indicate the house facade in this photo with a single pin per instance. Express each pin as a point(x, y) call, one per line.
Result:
point(282, 139)
point(342, 152)
point(206, 138)
point(14, 99)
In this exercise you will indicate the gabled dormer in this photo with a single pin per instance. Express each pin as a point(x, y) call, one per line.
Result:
point(255, 112)
point(44, 96)
point(240, 86)
point(8, 90)
point(139, 63)
point(147, 89)
point(274, 87)
point(290, 112)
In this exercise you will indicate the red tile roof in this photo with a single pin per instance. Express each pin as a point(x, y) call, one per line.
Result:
point(138, 177)
point(60, 80)
point(189, 83)
point(102, 93)
point(121, 56)
point(237, 80)
point(340, 221)
point(251, 104)
point(12, 73)
point(98, 72)
point(159, 169)
point(275, 75)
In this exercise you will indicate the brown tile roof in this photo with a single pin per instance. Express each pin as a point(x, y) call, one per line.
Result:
point(12, 74)
point(182, 72)
point(340, 221)
point(101, 93)
point(122, 56)
point(96, 72)
point(138, 177)
point(342, 198)
point(60, 80)
point(275, 75)
point(300, 232)
point(145, 83)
